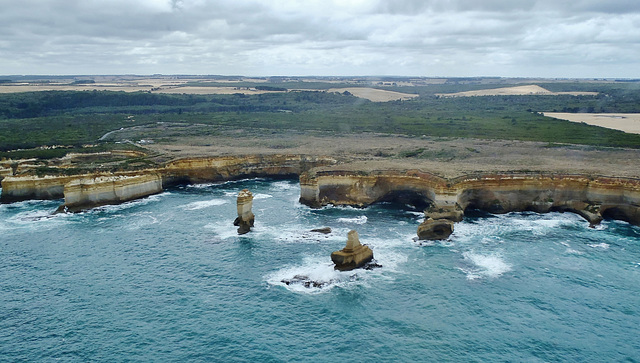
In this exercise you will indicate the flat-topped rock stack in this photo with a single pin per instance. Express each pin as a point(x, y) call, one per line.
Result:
point(439, 219)
point(353, 255)
point(245, 218)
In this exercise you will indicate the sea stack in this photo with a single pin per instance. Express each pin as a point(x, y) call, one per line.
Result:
point(438, 222)
point(353, 255)
point(435, 229)
point(245, 218)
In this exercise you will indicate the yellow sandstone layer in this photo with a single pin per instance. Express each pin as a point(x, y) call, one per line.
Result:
point(18, 188)
point(92, 189)
point(593, 198)
point(353, 255)
point(85, 193)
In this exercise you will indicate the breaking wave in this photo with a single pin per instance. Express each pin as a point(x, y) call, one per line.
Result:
point(204, 204)
point(354, 220)
point(478, 266)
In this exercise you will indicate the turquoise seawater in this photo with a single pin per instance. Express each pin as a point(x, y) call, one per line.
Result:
point(167, 278)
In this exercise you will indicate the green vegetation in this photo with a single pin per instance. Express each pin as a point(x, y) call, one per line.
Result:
point(58, 152)
point(84, 81)
point(271, 88)
point(33, 119)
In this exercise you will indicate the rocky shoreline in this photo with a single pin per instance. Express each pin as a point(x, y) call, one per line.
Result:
point(85, 191)
point(593, 198)
point(322, 183)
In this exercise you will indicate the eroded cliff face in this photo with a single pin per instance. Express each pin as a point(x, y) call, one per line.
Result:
point(18, 188)
point(5, 172)
point(592, 198)
point(28, 187)
point(86, 193)
point(199, 170)
point(362, 189)
point(88, 190)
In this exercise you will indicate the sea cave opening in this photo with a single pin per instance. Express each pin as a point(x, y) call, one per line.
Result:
point(408, 198)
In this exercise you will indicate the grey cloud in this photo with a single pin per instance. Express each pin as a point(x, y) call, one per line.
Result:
point(331, 36)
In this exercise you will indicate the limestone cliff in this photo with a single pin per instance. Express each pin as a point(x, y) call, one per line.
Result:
point(362, 189)
point(593, 198)
point(18, 188)
point(27, 187)
point(193, 170)
point(212, 169)
point(5, 172)
point(87, 193)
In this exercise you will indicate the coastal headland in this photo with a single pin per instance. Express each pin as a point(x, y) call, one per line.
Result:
point(329, 180)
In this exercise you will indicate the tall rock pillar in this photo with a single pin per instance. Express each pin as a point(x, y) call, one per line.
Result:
point(245, 218)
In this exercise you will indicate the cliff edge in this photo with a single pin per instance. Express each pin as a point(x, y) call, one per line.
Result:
point(594, 198)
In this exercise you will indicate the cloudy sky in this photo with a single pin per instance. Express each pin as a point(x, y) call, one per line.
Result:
point(528, 38)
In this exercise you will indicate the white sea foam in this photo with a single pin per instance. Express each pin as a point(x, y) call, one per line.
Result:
point(202, 185)
point(223, 229)
point(298, 235)
point(139, 220)
point(602, 245)
point(111, 208)
point(541, 224)
point(354, 220)
point(38, 218)
point(600, 227)
point(478, 266)
point(417, 214)
point(284, 185)
point(315, 275)
point(255, 196)
point(205, 204)
point(391, 253)
point(343, 207)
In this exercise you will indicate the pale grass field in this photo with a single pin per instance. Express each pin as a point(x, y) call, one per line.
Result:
point(97, 87)
point(213, 90)
point(375, 95)
point(513, 91)
point(627, 122)
point(177, 87)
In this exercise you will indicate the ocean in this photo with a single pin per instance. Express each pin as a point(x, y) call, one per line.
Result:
point(167, 278)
